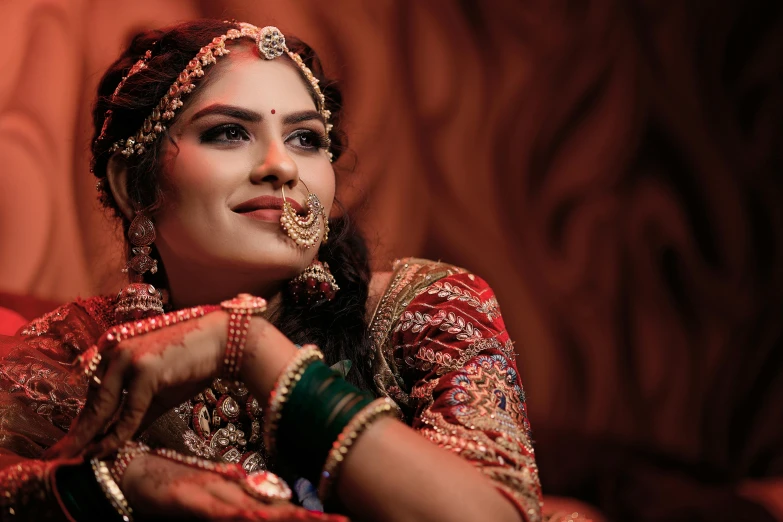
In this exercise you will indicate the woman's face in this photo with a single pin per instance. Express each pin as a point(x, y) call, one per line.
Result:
point(249, 131)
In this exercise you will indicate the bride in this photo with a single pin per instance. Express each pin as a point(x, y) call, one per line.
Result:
point(254, 368)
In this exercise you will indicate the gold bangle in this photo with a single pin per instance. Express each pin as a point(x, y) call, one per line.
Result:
point(355, 427)
point(282, 391)
point(111, 489)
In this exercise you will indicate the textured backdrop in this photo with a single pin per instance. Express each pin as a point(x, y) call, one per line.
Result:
point(610, 167)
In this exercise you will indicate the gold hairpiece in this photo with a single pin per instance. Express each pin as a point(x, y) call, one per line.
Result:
point(271, 44)
point(137, 67)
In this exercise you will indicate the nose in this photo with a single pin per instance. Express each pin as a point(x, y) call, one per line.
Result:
point(277, 168)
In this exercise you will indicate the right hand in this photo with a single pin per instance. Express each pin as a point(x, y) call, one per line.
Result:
point(180, 360)
point(158, 488)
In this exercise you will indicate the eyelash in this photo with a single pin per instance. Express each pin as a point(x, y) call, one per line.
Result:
point(319, 139)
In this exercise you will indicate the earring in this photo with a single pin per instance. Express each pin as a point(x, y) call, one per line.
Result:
point(141, 235)
point(139, 299)
point(304, 230)
point(316, 283)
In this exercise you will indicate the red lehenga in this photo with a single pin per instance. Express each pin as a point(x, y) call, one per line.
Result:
point(441, 352)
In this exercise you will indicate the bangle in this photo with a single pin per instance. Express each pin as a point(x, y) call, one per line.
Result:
point(128, 452)
point(240, 309)
point(355, 427)
point(79, 494)
point(318, 408)
point(283, 388)
point(111, 490)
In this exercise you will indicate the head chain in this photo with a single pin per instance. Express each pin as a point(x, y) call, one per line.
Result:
point(270, 42)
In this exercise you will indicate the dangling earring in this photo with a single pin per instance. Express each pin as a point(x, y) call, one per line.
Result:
point(316, 283)
point(304, 230)
point(139, 299)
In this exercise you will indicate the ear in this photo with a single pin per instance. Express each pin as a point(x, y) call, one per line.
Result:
point(117, 175)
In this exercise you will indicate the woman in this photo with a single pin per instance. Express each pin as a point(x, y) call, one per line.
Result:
point(213, 145)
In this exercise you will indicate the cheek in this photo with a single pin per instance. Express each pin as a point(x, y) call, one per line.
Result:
point(196, 175)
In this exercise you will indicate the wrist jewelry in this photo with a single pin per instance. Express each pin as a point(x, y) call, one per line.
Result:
point(355, 427)
point(317, 410)
point(283, 388)
point(241, 309)
point(128, 452)
point(111, 489)
point(119, 333)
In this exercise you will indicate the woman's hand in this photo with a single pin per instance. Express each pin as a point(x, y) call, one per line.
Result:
point(180, 360)
point(158, 488)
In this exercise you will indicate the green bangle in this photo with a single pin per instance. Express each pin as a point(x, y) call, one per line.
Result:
point(319, 407)
point(81, 495)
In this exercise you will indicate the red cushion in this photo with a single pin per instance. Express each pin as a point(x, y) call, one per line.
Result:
point(10, 321)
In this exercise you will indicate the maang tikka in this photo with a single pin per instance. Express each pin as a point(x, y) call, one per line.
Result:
point(139, 299)
point(304, 230)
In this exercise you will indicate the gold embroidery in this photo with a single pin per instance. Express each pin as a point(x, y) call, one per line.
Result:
point(452, 292)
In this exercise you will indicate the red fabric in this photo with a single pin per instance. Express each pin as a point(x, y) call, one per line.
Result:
point(10, 321)
point(27, 306)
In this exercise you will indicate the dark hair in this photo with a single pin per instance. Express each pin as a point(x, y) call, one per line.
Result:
point(338, 327)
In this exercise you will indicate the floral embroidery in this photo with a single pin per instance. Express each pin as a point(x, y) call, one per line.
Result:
point(451, 292)
point(449, 347)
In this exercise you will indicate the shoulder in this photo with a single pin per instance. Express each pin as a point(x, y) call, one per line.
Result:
point(416, 281)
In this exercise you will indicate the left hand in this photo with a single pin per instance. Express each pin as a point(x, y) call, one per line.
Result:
point(179, 360)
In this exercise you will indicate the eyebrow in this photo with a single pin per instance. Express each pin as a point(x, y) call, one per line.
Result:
point(253, 117)
point(228, 110)
point(299, 117)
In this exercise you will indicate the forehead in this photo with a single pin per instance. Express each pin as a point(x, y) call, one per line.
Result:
point(243, 78)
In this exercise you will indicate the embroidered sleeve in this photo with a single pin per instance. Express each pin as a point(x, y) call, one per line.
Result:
point(40, 394)
point(451, 346)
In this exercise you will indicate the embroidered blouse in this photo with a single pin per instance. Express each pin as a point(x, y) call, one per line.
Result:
point(441, 352)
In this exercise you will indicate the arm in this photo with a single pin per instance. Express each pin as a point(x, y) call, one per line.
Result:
point(393, 472)
point(39, 396)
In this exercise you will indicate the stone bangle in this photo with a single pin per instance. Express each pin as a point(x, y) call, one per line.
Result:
point(355, 427)
point(126, 454)
point(283, 388)
point(240, 309)
point(111, 490)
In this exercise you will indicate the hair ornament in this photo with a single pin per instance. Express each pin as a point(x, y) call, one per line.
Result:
point(271, 44)
point(137, 67)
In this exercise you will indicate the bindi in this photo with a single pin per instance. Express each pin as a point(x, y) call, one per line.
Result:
point(273, 111)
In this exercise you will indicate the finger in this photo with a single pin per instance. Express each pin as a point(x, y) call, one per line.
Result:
point(232, 494)
point(138, 400)
point(99, 407)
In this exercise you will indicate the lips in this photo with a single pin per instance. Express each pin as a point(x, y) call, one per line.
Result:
point(266, 203)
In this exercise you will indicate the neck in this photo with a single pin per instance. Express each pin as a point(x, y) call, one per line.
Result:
point(194, 285)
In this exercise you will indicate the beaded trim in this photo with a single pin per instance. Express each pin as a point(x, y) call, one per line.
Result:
point(271, 44)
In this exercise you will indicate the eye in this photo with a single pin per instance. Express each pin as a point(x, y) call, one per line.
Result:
point(229, 132)
point(308, 140)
